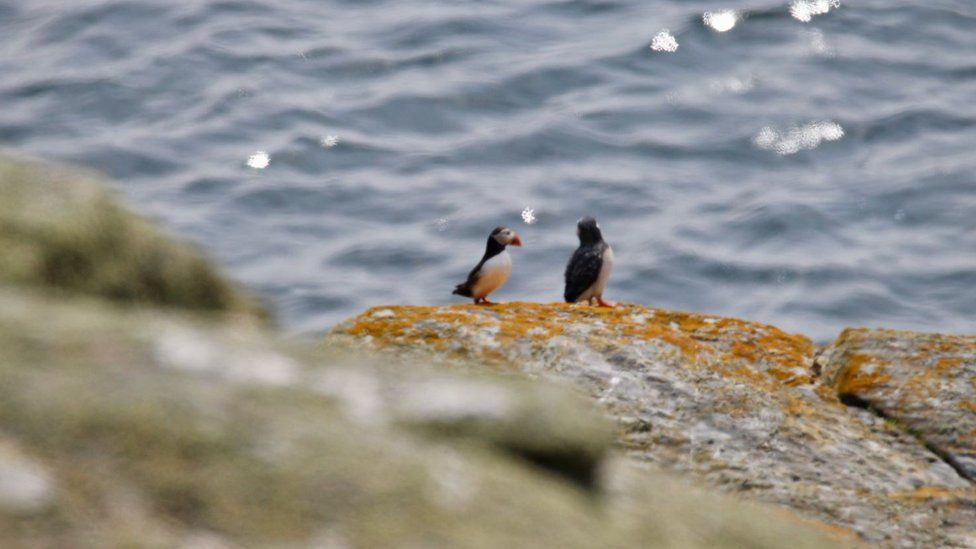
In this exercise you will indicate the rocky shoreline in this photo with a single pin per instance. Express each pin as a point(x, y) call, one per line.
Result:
point(145, 400)
point(873, 433)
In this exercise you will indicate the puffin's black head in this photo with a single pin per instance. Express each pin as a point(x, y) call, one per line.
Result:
point(505, 237)
point(588, 231)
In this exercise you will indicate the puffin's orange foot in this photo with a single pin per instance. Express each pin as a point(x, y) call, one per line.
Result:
point(483, 301)
point(608, 304)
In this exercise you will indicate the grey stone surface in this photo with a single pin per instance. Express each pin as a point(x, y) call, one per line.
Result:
point(925, 383)
point(737, 405)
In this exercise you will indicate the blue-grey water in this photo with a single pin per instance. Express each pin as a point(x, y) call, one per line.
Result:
point(812, 167)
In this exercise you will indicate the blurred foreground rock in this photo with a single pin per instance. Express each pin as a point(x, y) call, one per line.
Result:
point(142, 428)
point(61, 229)
point(177, 427)
point(739, 405)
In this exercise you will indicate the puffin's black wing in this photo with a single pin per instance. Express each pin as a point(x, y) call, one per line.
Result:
point(464, 289)
point(582, 270)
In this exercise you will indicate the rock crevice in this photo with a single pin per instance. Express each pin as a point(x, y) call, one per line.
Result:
point(923, 383)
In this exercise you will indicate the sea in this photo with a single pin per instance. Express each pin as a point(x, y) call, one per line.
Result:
point(805, 163)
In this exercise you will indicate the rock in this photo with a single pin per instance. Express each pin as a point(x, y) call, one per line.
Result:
point(925, 383)
point(61, 229)
point(157, 425)
point(154, 445)
point(735, 404)
point(26, 488)
point(548, 426)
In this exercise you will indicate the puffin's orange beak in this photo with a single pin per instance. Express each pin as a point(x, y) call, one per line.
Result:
point(516, 241)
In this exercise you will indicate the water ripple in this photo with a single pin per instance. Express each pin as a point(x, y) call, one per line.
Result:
point(801, 162)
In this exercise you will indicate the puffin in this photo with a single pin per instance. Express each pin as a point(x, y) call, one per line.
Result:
point(493, 269)
point(589, 267)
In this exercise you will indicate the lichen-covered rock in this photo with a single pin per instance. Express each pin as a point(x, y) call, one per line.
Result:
point(60, 228)
point(153, 429)
point(734, 403)
point(924, 382)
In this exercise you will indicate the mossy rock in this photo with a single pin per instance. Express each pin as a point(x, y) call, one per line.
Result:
point(62, 229)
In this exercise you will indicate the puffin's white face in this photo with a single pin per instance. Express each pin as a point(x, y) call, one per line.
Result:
point(508, 237)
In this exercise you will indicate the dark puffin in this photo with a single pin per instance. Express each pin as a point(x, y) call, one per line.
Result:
point(493, 269)
point(589, 267)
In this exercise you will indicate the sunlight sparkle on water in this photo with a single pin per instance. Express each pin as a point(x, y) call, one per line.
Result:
point(664, 41)
point(818, 43)
point(733, 84)
point(259, 160)
point(721, 21)
point(330, 141)
point(528, 215)
point(797, 138)
point(805, 10)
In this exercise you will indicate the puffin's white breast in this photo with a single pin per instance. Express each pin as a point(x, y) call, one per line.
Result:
point(605, 270)
point(492, 275)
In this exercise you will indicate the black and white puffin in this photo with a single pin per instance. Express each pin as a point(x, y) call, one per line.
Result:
point(589, 267)
point(493, 269)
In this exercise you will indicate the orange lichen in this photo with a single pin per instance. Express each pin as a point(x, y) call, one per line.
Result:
point(797, 407)
point(686, 345)
point(969, 405)
point(402, 322)
point(399, 326)
point(788, 350)
point(748, 374)
point(789, 377)
point(930, 371)
point(846, 537)
point(946, 364)
point(745, 350)
point(934, 493)
point(763, 348)
point(826, 393)
point(759, 354)
point(856, 380)
point(755, 353)
point(946, 345)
